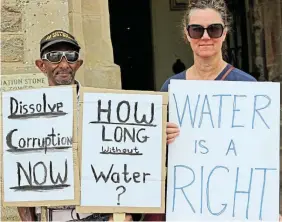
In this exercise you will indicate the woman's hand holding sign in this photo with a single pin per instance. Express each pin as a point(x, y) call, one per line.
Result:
point(172, 131)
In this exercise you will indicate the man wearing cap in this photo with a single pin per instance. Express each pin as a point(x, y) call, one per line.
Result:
point(59, 52)
point(59, 61)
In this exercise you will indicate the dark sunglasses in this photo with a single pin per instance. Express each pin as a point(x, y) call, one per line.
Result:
point(213, 30)
point(57, 56)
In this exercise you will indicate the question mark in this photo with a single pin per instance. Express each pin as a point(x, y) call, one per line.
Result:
point(124, 189)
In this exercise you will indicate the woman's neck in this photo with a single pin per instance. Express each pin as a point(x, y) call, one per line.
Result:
point(207, 69)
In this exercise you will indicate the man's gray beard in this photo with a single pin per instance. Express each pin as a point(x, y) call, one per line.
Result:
point(65, 82)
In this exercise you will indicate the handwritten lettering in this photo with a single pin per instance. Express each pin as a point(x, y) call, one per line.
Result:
point(30, 144)
point(118, 151)
point(32, 181)
point(123, 112)
point(18, 110)
point(116, 177)
point(208, 109)
point(192, 178)
point(201, 146)
point(123, 134)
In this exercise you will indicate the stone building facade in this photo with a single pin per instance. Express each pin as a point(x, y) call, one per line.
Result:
point(25, 22)
point(266, 21)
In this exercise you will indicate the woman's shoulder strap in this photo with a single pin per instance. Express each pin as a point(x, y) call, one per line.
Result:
point(227, 72)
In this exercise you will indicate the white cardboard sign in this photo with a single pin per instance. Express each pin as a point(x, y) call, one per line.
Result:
point(38, 146)
point(122, 151)
point(224, 165)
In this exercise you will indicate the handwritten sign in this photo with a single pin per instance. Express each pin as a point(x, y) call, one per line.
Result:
point(225, 163)
point(123, 152)
point(22, 81)
point(38, 148)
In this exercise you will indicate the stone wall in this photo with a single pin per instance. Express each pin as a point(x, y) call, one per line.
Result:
point(12, 32)
point(266, 16)
point(267, 29)
point(272, 23)
point(25, 22)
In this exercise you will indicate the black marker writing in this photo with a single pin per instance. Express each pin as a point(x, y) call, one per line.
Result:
point(18, 110)
point(40, 188)
point(128, 124)
point(117, 151)
point(121, 134)
point(127, 113)
point(126, 110)
point(34, 173)
point(51, 141)
point(108, 110)
point(116, 177)
point(32, 181)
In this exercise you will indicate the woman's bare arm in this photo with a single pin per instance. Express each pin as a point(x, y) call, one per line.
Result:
point(27, 213)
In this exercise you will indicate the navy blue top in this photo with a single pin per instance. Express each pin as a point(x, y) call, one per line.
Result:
point(234, 75)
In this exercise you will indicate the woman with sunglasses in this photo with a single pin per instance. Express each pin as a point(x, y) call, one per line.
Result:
point(205, 26)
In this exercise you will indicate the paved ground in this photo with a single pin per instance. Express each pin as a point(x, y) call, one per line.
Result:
point(10, 214)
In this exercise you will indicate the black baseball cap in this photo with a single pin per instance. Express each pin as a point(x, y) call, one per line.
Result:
point(57, 36)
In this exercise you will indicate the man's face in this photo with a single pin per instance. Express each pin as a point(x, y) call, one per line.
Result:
point(61, 73)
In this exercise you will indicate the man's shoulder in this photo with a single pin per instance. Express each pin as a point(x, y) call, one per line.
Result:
point(180, 76)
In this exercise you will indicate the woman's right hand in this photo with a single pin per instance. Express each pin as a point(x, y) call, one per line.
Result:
point(172, 131)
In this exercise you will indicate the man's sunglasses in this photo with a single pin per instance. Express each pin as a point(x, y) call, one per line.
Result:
point(197, 31)
point(57, 56)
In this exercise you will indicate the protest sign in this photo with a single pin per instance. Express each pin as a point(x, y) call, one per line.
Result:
point(224, 165)
point(22, 81)
point(122, 151)
point(39, 147)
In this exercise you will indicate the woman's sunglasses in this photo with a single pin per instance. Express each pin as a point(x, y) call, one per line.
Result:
point(57, 56)
point(197, 31)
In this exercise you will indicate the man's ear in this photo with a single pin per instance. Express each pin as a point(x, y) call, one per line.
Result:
point(40, 64)
point(78, 64)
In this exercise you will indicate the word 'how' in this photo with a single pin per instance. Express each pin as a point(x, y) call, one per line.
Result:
point(123, 115)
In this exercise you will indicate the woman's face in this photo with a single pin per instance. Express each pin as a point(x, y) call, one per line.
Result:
point(205, 46)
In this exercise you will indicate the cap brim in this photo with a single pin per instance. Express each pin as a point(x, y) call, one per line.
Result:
point(58, 41)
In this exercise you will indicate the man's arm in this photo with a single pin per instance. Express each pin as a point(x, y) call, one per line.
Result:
point(27, 213)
